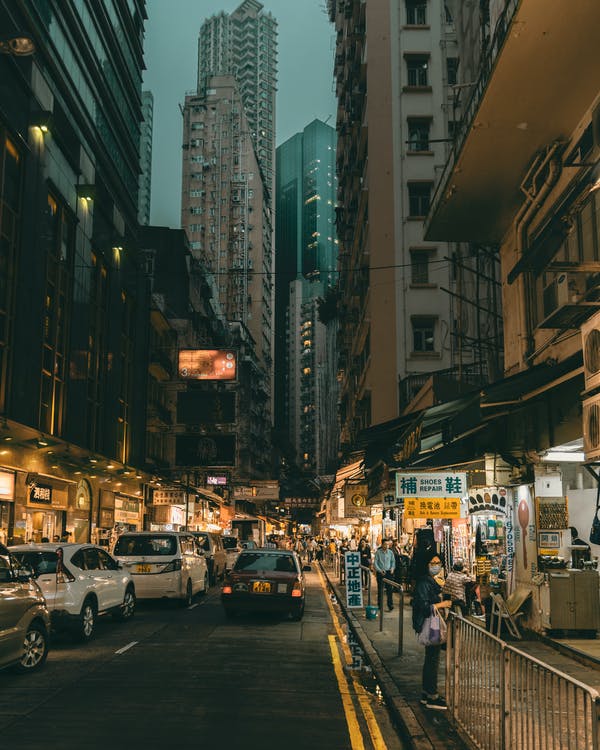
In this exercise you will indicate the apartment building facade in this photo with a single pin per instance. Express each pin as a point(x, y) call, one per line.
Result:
point(402, 317)
point(243, 44)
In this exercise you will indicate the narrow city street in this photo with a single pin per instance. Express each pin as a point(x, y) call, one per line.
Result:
point(175, 676)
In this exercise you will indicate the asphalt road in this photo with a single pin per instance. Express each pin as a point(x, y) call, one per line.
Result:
point(174, 678)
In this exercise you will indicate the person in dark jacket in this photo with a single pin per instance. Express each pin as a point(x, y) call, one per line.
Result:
point(427, 594)
point(364, 550)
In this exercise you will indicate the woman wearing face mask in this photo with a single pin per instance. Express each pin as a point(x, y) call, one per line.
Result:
point(427, 594)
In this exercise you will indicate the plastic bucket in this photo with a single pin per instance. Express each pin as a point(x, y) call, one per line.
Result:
point(371, 612)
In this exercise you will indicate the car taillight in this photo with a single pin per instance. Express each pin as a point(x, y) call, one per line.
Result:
point(172, 566)
point(63, 575)
point(226, 590)
point(297, 589)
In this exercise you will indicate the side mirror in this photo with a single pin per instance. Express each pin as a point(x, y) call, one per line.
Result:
point(306, 568)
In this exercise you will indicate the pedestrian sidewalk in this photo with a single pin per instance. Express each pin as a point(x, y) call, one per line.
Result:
point(399, 677)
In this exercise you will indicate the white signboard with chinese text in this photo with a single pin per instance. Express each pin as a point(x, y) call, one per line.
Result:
point(354, 594)
point(430, 485)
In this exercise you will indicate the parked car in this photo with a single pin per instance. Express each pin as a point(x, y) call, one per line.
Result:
point(265, 580)
point(232, 548)
point(211, 545)
point(24, 618)
point(80, 582)
point(163, 564)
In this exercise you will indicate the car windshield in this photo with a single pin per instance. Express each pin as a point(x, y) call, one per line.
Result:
point(230, 542)
point(127, 546)
point(39, 562)
point(264, 561)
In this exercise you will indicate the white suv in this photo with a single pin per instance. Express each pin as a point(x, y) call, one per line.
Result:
point(164, 564)
point(79, 582)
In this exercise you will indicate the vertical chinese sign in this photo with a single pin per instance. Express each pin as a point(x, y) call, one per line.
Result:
point(354, 594)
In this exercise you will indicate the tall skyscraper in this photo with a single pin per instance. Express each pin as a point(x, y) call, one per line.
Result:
point(306, 249)
point(145, 191)
point(244, 44)
point(224, 209)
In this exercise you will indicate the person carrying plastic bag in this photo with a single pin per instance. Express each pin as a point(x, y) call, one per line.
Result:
point(426, 618)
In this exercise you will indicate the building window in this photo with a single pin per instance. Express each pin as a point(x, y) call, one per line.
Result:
point(59, 236)
point(418, 135)
point(416, 12)
point(416, 68)
point(419, 197)
point(423, 329)
point(419, 266)
point(10, 220)
point(452, 70)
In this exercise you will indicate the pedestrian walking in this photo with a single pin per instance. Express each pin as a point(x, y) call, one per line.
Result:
point(364, 550)
point(427, 595)
point(384, 564)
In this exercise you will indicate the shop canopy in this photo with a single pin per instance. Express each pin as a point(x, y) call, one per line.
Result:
point(353, 470)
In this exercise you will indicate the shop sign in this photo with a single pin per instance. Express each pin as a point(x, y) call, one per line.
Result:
point(107, 518)
point(356, 500)
point(7, 485)
point(490, 499)
point(40, 494)
point(430, 485)
point(302, 502)
point(239, 493)
point(168, 497)
point(354, 594)
point(510, 542)
point(431, 507)
point(409, 445)
point(216, 481)
point(391, 501)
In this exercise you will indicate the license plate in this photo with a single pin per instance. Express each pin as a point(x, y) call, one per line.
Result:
point(261, 587)
point(142, 568)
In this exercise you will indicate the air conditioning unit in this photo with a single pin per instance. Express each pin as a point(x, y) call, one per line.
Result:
point(591, 427)
point(564, 289)
point(590, 345)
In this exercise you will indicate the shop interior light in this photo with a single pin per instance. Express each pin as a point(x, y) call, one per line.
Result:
point(563, 456)
point(110, 466)
point(42, 442)
point(87, 193)
point(42, 120)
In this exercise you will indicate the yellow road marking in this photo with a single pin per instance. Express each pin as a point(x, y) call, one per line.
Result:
point(372, 725)
point(351, 719)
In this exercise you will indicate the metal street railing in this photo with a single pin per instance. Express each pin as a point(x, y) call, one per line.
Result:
point(502, 698)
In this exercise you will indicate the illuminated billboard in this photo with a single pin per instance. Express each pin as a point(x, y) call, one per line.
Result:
point(207, 364)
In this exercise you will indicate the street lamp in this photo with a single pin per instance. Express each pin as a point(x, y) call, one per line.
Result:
point(18, 46)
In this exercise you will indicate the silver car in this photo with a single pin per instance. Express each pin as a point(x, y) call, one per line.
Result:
point(24, 618)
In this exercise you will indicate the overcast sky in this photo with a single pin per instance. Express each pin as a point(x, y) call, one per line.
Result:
point(305, 79)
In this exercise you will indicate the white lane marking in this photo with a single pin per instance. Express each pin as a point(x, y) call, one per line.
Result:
point(192, 606)
point(127, 647)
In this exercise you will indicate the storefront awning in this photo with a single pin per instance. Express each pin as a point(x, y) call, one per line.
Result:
point(354, 470)
point(209, 495)
point(523, 386)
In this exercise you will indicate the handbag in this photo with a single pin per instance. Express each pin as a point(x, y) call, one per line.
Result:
point(434, 631)
point(595, 531)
